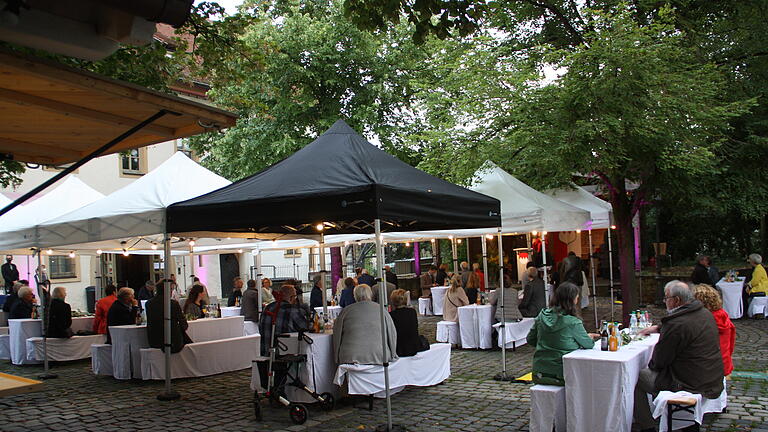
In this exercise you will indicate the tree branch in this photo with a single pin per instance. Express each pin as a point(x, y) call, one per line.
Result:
point(561, 17)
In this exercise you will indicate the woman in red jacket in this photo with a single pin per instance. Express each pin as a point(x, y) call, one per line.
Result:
point(102, 308)
point(711, 300)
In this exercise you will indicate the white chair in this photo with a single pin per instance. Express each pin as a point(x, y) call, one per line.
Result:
point(547, 408)
point(5, 347)
point(758, 305)
point(425, 306)
point(688, 408)
point(101, 359)
point(448, 331)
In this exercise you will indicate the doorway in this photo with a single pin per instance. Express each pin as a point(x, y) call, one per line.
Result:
point(230, 269)
point(133, 270)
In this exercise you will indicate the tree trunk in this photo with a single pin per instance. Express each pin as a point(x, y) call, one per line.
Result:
point(622, 214)
point(764, 235)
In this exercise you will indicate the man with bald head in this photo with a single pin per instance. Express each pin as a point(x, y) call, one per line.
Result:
point(687, 356)
point(291, 317)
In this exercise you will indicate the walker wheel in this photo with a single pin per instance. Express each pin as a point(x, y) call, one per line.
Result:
point(298, 413)
point(327, 402)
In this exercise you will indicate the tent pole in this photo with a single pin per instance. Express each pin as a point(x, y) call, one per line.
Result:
point(384, 336)
point(455, 256)
point(610, 269)
point(594, 281)
point(259, 275)
point(321, 250)
point(469, 258)
point(168, 394)
point(44, 321)
point(503, 332)
point(485, 263)
point(544, 262)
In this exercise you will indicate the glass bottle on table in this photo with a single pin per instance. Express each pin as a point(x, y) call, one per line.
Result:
point(613, 339)
point(604, 337)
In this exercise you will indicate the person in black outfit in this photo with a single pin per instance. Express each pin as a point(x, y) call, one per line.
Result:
point(700, 273)
point(123, 311)
point(409, 342)
point(155, 325)
point(12, 298)
point(534, 294)
point(237, 292)
point(59, 315)
point(22, 308)
point(146, 292)
point(441, 279)
point(316, 297)
point(365, 278)
point(10, 273)
point(390, 275)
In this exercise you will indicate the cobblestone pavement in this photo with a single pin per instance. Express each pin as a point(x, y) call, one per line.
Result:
point(470, 400)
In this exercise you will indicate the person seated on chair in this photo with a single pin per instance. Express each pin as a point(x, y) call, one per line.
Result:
point(357, 332)
point(687, 356)
point(711, 300)
point(347, 296)
point(427, 281)
point(12, 298)
point(156, 322)
point(758, 285)
point(123, 311)
point(511, 312)
point(22, 307)
point(557, 331)
point(409, 342)
point(195, 304)
point(534, 294)
point(291, 316)
point(146, 292)
point(60, 315)
point(102, 308)
point(454, 298)
point(472, 288)
point(237, 292)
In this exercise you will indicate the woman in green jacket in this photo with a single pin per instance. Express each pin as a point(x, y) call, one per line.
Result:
point(557, 331)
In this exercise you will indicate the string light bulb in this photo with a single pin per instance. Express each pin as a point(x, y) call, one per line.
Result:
point(125, 253)
point(320, 226)
point(578, 231)
point(239, 251)
point(489, 236)
point(71, 254)
point(613, 226)
point(407, 244)
point(543, 233)
point(433, 240)
point(534, 232)
point(458, 241)
point(154, 246)
point(49, 251)
point(99, 251)
point(192, 242)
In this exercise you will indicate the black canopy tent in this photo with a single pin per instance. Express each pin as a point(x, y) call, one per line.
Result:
point(338, 184)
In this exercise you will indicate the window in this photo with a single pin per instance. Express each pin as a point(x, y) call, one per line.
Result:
point(62, 267)
point(133, 162)
point(182, 145)
point(292, 253)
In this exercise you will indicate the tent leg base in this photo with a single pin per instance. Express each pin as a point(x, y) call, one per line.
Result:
point(169, 396)
point(47, 376)
point(502, 377)
point(395, 428)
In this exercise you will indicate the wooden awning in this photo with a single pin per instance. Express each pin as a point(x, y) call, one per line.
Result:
point(53, 114)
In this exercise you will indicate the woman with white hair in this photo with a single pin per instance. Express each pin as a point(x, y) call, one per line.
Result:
point(357, 332)
point(758, 285)
point(59, 315)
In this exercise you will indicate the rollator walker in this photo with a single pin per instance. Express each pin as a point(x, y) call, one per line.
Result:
point(281, 369)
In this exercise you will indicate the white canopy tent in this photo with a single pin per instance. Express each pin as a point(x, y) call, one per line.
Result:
point(69, 195)
point(4, 201)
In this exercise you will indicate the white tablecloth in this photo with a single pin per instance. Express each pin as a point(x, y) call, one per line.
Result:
point(202, 358)
point(74, 348)
point(5, 347)
point(22, 329)
point(128, 340)
point(600, 386)
point(319, 357)
point(515, 332)
point(475, 326)
point(732, 297)
point(230, 311)
point(333, 311)
point(438, 297)
point(426, 368)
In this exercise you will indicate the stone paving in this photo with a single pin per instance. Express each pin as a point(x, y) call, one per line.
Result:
point(470, 400)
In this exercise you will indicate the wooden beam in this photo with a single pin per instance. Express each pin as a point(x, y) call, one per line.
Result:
point(43, 150)
point(78, 111)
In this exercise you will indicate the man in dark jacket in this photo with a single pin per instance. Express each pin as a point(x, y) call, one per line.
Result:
point(534, 294)
point(687, 356)
point(316, 296)
point(365, 278)
point(390, 275)
point(22, 307)
point(123, 311)
point(700, 273)
point(147, 291)
point(155, 323)
point(10, 273)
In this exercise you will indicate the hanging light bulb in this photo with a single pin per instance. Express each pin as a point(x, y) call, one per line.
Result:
point(450, 237)
point(534, 232)
point(71, 254)
point(274, 242)
point(458, 241)
point(239, 251)
point(154, 246)
point(578, 231)
point(192, 242)
point(613, 226)
point(125, 253)
point(433, 240)
point(49, 251)
point(407, 244)
point(543, 233)
point(346, 243)
point(99, 251)
point(489, 236)
point(320, 226)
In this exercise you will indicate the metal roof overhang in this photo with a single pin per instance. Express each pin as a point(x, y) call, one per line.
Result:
point(53, 114)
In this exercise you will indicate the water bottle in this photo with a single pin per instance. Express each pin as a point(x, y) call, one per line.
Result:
point(632, 323)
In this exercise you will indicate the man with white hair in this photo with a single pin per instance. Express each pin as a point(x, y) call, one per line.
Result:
point(357, 332)
point(687, 356)
point(22, 308)
point(123, 311)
